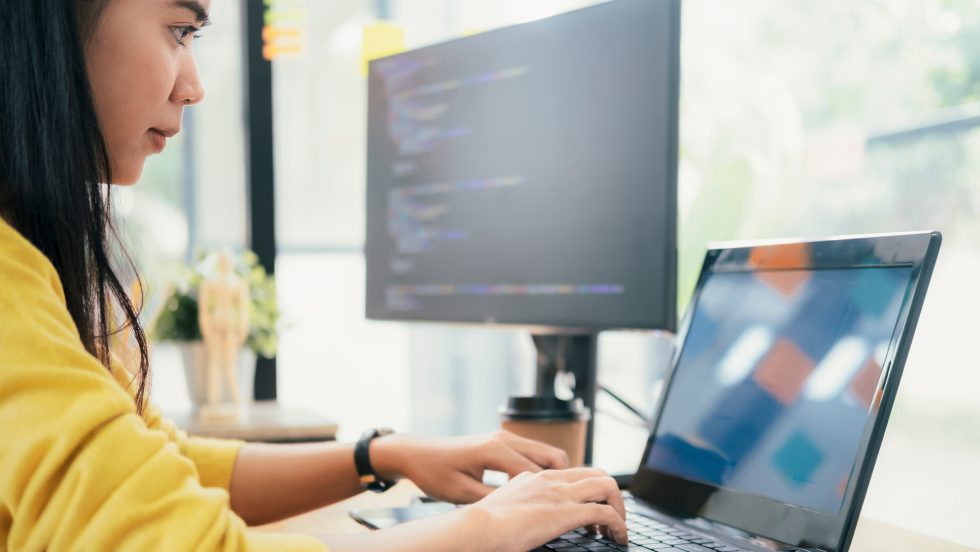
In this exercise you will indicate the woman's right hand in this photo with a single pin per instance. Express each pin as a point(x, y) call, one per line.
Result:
point(534, 508)
point(530, 510)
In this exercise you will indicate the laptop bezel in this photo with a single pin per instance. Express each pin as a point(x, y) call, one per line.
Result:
point(753, 515)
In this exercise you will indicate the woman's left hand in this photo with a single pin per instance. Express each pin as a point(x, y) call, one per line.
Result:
point(452, 468)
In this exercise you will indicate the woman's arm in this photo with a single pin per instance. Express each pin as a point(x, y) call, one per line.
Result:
point(273, 482)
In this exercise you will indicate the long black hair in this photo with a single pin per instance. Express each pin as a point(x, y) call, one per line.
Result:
point(53, 161)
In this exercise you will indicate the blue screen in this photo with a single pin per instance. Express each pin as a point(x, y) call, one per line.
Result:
point(776, 379)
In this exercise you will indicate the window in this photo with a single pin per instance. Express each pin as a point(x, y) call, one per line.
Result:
point(797, 119)
point(834, 118)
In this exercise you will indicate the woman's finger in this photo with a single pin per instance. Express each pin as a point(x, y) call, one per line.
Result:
point(598, 489)
point(571, 475)
point(605, 516)
point(505, 459)
point(540, 453)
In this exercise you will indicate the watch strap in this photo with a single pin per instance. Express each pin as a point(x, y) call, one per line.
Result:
point(362, 461)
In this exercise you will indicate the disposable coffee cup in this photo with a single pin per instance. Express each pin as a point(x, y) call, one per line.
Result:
point(551, 420)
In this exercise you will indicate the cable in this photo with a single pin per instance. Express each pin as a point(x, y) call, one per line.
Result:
point(647, 422)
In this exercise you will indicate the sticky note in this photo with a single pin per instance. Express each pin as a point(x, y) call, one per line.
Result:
point(379, 40)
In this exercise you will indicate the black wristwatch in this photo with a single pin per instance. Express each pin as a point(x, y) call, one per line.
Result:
point(362, 461)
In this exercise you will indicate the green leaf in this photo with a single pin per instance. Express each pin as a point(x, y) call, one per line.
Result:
point(178, 320)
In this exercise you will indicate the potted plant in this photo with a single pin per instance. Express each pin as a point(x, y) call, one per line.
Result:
point(177, 322)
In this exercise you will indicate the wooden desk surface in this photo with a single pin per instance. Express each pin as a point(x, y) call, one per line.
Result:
point(871, 535)
point(260, 421)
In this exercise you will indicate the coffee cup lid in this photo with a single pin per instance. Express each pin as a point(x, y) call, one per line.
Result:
point(541, 409)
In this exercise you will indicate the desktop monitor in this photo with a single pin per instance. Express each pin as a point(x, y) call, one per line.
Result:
point(528, 175)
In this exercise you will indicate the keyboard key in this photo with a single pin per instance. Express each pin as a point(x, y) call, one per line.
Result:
point(644, 534)
point(694, 548)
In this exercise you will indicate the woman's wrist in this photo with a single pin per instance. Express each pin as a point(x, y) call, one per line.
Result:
point(474, 524)
point(387, 454)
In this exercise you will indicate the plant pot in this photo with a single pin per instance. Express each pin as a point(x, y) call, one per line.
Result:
point(194, 356)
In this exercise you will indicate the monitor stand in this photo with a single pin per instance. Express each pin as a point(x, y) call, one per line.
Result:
point(573, 354)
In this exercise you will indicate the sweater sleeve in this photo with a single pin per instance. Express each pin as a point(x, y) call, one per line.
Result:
point(214, 459)
point(79, 468)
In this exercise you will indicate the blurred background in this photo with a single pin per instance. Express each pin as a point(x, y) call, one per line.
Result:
point(806, 118)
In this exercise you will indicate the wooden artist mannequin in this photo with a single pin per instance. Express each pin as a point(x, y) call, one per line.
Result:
point(223, 317)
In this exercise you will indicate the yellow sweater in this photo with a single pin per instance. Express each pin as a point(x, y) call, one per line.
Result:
point(79, 468)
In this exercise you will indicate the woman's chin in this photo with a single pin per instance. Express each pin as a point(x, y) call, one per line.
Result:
point(127, 176)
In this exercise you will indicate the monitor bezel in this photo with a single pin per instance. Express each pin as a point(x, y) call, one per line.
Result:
point(377, 312)
point(755, 516)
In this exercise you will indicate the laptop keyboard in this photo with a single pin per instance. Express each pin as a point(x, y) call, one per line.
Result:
point(644, 534)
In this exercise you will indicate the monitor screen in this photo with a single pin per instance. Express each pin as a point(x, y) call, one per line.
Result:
point(527, 175)
point(776, 379)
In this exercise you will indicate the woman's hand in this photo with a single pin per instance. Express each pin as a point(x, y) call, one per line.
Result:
point(530, 510)
point(452, 469)
point(534, 508)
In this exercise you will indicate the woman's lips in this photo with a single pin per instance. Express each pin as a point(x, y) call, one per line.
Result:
point(159, 137)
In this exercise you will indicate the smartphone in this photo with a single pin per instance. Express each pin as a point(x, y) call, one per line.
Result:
point(381, 518)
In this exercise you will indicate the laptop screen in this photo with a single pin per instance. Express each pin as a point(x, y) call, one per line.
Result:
point(778, 374)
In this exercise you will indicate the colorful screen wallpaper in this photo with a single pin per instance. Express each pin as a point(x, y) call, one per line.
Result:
point(776, 380)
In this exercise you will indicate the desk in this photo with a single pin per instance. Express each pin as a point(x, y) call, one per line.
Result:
point(871, 535)
point(266, 421)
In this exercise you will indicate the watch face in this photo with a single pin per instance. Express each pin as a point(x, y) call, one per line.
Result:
point(377, 432)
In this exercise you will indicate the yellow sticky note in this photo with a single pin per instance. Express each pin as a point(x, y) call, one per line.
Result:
point(275, 16)
point(379, 40)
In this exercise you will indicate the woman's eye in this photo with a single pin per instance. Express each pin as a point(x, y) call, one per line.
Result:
point(181, 32)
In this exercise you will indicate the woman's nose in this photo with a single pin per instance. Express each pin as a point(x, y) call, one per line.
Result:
point(188, 88)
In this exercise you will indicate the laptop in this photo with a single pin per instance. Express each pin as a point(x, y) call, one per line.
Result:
point(789, 361)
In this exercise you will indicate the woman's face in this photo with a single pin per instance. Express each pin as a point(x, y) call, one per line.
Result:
point(141, 65)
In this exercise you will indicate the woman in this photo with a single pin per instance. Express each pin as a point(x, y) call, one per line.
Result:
point(89, 89)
